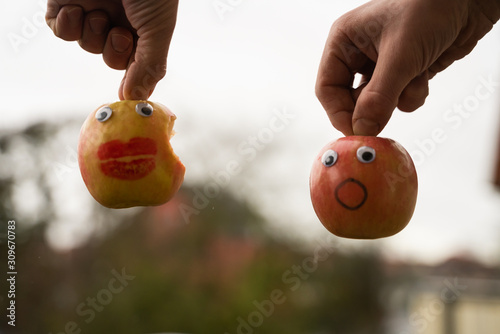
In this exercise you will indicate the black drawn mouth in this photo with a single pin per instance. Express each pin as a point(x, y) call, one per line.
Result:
point(351, 194)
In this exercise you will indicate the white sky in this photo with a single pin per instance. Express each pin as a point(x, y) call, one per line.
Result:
point(227, 77)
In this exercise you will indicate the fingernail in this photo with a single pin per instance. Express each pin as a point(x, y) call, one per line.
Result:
point(366, 127)
point(98, 25)
point(74, 16)
point(120, 43)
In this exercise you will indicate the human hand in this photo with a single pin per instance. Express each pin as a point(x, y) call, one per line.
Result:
point(397, 46)
point(131, 34)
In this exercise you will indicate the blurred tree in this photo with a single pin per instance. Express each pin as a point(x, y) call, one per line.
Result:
point(496, 173)
point(152, 270)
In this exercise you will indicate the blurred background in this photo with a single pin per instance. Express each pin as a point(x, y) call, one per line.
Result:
point(253, 258)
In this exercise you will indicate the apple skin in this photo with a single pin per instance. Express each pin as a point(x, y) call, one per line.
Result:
point(357, 199)
point(126, 160)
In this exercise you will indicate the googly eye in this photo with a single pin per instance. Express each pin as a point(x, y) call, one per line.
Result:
point(103, 114)
point(365, 154)
point(329, 158)
point(144, 109)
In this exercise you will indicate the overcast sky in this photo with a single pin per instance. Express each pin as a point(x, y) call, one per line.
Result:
point(229, 75)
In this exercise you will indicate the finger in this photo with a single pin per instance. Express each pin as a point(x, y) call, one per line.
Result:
point(393, 71)
point(357, 91)
point(415, 93)
point(149, 63)
point(449, 56)
point(147, 68)
point(95, 31)
point(118, 48)
point(338, 64)
point(141, 78)
point(53, 9)
point(338, 104)
point(120, 90)
point(66, 22)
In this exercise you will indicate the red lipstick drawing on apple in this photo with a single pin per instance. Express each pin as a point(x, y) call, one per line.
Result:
point(130, 160)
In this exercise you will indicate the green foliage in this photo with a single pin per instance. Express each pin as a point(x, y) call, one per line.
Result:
point(219, 272)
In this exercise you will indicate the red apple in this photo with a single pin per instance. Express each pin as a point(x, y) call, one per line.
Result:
point(363, 187)
point(125, 156)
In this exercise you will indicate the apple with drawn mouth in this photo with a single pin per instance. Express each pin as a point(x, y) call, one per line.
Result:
point(125, 156)
point(363, 187)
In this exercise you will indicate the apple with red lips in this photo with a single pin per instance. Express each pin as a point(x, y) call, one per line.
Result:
point(363, 187)
point(125, 156)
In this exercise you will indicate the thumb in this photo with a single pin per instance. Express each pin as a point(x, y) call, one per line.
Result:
point(155, 25)
point(147, 66)
point(380, 96)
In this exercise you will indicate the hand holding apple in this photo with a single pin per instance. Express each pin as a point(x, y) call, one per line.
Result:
point(363, 187)
point(125, 156)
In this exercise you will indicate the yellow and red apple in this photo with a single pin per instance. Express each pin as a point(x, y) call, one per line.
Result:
point(363, 187)
point(125, 156)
